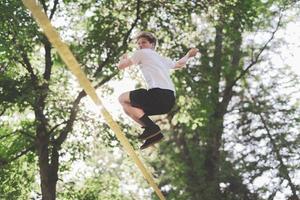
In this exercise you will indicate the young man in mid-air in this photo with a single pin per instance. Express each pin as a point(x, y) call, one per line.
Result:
point(159, 98)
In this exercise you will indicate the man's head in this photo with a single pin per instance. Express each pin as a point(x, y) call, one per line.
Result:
point(146, 40)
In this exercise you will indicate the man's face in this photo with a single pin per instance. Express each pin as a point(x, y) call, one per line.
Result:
point(143, 43)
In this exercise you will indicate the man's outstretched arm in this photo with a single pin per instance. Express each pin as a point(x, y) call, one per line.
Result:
point(182, 61)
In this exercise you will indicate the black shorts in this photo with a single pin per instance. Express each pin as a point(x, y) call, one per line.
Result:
point(154, 101)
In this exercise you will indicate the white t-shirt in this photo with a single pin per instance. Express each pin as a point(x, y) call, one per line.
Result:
point(155, 68)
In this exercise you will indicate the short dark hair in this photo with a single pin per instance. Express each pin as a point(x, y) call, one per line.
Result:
point(148, 36)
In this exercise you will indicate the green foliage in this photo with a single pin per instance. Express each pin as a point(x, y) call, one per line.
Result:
point(15, 91)
point(104, 187)
point(15, 176)
point(18, 32)
point(14, 141)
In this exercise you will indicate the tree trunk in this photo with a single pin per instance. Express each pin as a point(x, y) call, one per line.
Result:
point(191, 171)
point(212, 157)
point(48, 172)
point(214, 127)
point(45, 150)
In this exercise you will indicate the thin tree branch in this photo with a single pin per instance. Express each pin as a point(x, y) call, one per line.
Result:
point(137, 18)
point(28, 135)
point(5, 136)
point(48, 60)
point(106, 79)
point(4, 162)
point(25, 151)
point(3, 111)
point(68, 128)
point(44, 6)
point(273, 194)
point(56, 126)
point(25, 62)
point(256, 59)
point(53, 9)
point(102, 64)
point(27, 65)
point(217, 61)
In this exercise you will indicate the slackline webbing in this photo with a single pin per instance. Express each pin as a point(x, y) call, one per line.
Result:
point(69, 59)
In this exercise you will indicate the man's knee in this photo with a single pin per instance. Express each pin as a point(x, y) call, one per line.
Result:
point(121, 98)
point(126, 107)
point(124, 98)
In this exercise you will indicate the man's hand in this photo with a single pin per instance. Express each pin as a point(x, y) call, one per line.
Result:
point(124, 62)
point(192, 52)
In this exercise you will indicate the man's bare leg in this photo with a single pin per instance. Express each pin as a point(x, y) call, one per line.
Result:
point(133, 112)
point(152, 132)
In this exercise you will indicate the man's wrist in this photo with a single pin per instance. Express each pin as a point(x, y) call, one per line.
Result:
point(187, 55)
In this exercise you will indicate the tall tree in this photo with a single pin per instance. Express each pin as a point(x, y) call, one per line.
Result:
point(34, 81)
point(206, 89)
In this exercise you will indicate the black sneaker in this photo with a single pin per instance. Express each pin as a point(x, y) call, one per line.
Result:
point(149, 132)
point(152, 141)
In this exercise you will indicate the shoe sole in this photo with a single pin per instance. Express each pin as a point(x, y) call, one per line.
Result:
point(152, 143)
point(150, 136)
